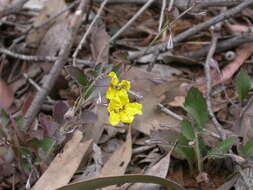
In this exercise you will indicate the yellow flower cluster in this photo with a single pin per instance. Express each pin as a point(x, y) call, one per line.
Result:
point(120, 108)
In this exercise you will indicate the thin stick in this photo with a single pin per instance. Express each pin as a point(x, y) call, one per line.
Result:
point(162, 15)
point(194, 30)
point(55, 71)
point(147, 4)
point(79, 47)
point(39, 58)
point(209, 86)
point(172, 114)
point(183, 4)
point(171, 5)
point(223, 45)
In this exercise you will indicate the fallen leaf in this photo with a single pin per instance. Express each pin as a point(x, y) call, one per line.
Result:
point(118, 162)
point(53, 41)
point(153, 88)
point(4, 4)
point(100, 43)
point(51, 8)
point(60, 108)
point(6, 95)
point(178, 101)
point(27, 102)
point(64, 165)
point(160, 169)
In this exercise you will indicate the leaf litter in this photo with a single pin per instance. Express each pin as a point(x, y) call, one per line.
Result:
point(71, 139)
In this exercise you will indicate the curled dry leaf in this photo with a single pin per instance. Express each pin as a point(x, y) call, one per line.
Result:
point(154, 89)
point(160, 169)
point(118, 162)
point(178, 101)
point(51, 8)
point(6, 95)
point(100, 43)
point(64, 164)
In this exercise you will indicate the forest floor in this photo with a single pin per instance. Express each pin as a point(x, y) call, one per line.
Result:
point(115, 92)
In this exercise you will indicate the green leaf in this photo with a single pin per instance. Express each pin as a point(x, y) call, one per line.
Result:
point(185, 150)
point(187, 130)
point(45, 144)
point(242, 84)
point(196, 106)
point(88, 92)
point(119, 180)
point(26, 159)
point(77, 75)
point(247, 149)
point(223, 147)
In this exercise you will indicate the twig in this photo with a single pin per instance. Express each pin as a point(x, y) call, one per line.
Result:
point(39, 58)
point(183, 4)
point(209, 86)
point(55, 71)
point(171, 5)
point(180, 118)
point(79, 47)
point(162, 15)
point(194, 30)
point(15, 7)
point(36, 86)
point(223, 45)
point(172, 114)
point(147, 4)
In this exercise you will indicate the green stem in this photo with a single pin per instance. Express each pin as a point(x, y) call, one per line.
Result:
point(198, 153)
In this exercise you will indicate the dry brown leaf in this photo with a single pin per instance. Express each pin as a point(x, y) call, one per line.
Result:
point(245, 128)
point(65, 164)
point(239, 28)
point(153, 89)
point(4, 4)
point(118, 162)
point(96, 131)
point(6, 95)
point(160, 169)
point(100, 43)
point(52, 41)
point(51, 8)
point(178, 101)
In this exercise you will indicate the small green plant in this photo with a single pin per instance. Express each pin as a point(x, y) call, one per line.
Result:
point(247, 149)
point(242, 85)
point(191, 144)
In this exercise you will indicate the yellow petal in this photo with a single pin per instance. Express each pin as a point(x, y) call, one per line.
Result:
point(123, 96)
point(125, 84)
point(115, 80)
point(115, 105)
point(111, 93)
point(114, 118)
point(126, 117)
point(133, 108)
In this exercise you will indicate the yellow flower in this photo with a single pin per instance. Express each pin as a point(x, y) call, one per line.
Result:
point(120, 108)
point(120, 112)
point(118, 90)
